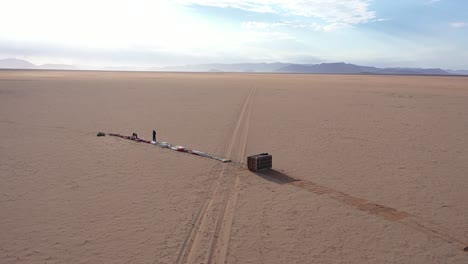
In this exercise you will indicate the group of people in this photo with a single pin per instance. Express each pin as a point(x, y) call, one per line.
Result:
point(135, 136)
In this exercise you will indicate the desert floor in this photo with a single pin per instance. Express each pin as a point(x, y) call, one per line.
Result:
point(367, 169)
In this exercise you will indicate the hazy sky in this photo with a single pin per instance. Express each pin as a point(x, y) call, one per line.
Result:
point(143, 33)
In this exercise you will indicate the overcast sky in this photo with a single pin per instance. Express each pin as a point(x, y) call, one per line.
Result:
point(143, 33)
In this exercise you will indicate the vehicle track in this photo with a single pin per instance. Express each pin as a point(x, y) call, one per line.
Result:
point(201, 242)
point(220, 245)
point(382, 211)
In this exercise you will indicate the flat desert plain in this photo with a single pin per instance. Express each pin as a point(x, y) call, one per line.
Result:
point(366, 169)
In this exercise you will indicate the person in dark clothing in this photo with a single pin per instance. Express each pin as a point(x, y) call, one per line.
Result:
point(134, 136)
point(154, 135)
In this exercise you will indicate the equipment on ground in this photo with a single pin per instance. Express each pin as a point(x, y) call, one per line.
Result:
point(135, 137)
point(259, 162)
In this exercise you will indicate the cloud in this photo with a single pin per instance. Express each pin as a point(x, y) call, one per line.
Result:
point(263, 26)
point(335, 13)
point(248, 5)
point(459, 24)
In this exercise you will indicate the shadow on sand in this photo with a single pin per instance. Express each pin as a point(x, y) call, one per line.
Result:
point(384, 212)
point(275, 176)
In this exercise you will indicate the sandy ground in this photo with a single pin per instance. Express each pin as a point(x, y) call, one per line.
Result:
point(367, 169)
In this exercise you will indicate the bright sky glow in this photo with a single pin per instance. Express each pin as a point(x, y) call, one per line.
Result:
point(144, 33)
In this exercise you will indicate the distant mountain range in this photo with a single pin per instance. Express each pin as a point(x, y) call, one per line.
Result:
point(22, 64)
point(219, 67)
point(322, 68)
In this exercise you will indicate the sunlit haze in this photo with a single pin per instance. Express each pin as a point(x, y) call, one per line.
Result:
point(143, 33)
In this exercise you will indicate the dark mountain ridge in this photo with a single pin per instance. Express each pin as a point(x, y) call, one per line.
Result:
point(346, 68)
point(277, 67)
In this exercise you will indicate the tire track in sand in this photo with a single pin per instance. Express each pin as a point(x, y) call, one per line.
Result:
point(382, 211)
point(220, 245)
point(202, 237)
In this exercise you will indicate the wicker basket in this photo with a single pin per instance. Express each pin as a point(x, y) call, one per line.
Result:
point(259, 162)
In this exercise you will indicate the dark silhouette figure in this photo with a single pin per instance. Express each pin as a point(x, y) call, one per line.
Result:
point(134, 136)
point(154, 135)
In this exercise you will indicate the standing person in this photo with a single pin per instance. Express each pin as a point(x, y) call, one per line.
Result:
point(154, 135)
